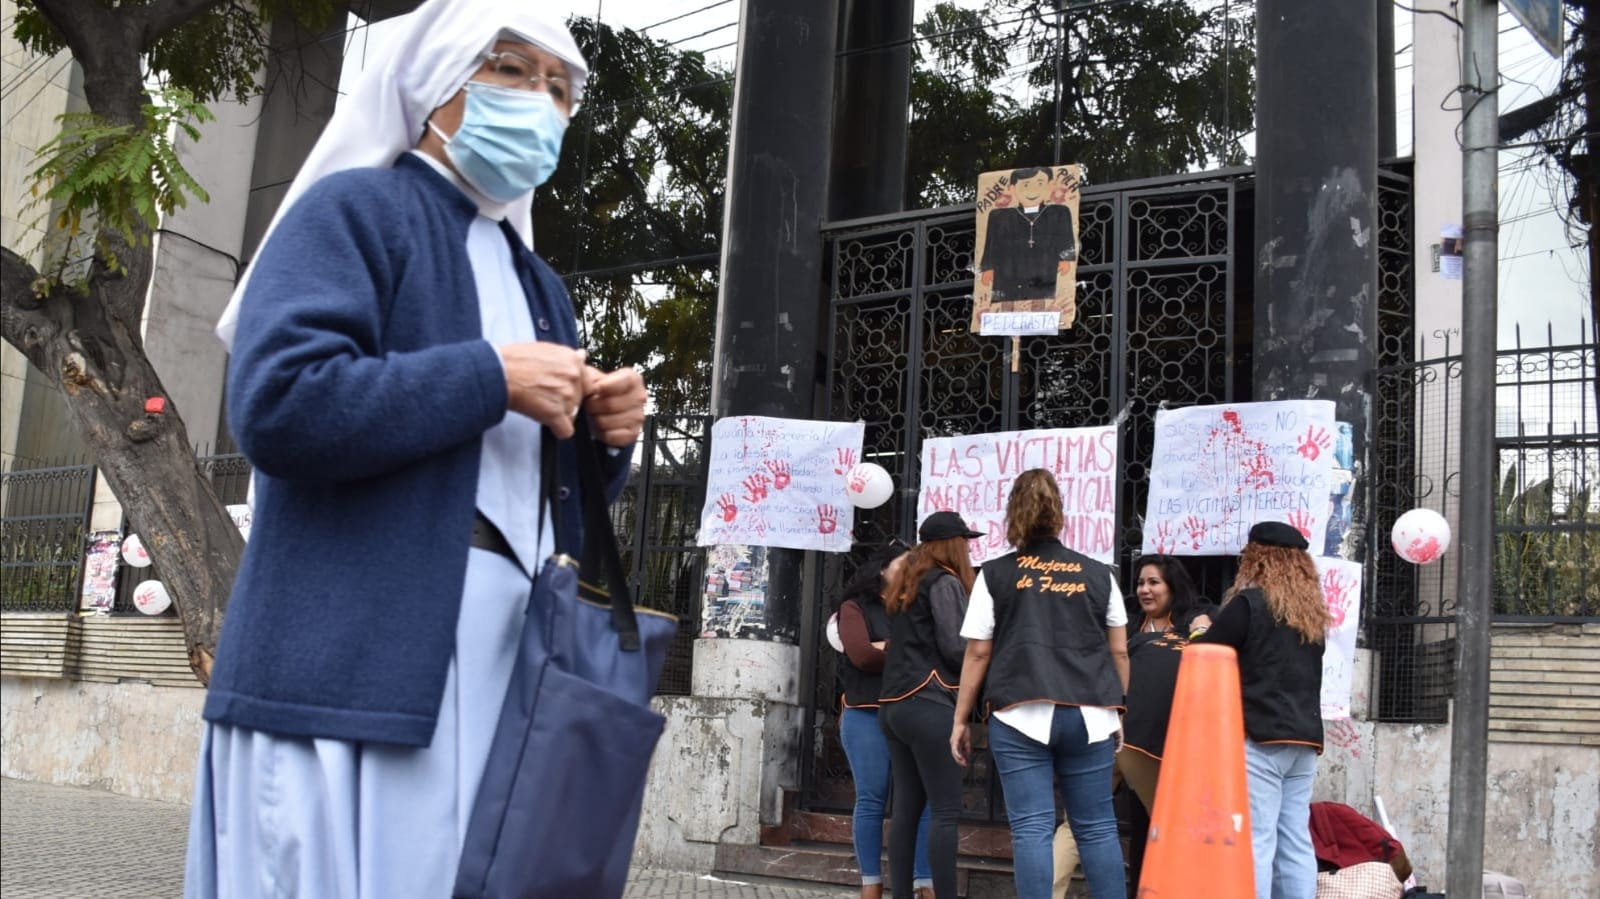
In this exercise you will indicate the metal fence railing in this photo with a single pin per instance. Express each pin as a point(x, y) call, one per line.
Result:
point(1547, 511)
point(45, 533)
point(44, 520)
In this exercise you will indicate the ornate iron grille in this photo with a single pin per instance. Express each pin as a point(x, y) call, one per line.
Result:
point(1155, 306)
point(656, 518)
point(42, 536)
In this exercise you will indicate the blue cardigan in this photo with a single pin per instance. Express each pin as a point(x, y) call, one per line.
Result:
point(359, 388)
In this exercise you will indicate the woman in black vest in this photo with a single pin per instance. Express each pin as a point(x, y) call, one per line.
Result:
point(1046, 628)
point(1276, 617)
point(926, 604)
point(863, 634)
point(1169, 611)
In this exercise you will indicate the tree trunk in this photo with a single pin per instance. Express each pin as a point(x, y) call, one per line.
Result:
point(89, 344)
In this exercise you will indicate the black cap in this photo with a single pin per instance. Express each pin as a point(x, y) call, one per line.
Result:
point(943, 525)
point(1276, 533)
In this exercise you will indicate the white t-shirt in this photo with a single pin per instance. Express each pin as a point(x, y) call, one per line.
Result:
point(1033, 719)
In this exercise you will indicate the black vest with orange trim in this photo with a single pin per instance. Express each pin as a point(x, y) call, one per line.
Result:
point(1280, 679)
point(914, 661)
point(1050, 628)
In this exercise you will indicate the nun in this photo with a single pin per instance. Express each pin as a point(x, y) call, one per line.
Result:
point(405, 373)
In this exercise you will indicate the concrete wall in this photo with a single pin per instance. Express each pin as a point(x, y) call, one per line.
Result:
point(1542, 810)
point(128, 738)
point(38, 89)
point(723, 763)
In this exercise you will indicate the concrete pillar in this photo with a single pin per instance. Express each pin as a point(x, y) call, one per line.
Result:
point(1316, 211)
point(873, 101)
point(740, 730)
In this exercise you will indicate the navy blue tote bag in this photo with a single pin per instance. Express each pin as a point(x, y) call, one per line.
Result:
point(558, 807)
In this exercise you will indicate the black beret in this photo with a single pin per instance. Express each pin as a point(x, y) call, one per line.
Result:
point(1276, 533)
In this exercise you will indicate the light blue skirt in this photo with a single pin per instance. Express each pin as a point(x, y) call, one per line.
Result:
point(292, 818)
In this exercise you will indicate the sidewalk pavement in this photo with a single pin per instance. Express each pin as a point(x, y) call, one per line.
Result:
point(76, 843)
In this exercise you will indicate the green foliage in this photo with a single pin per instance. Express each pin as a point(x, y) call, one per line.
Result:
point(1547, 549)
point(215, 55)
point(1147, 89)
point(117, 178)
point(641, 180)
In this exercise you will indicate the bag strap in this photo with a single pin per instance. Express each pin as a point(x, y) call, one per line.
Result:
point(602, 559)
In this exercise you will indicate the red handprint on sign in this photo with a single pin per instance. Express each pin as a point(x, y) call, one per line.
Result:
point(827, 519)
point(1197, 530)
point(847, 460)
point(1338, 594)
point(1166, 539)
point(755, 487)
point(780, 473)
point(1300, 520)
point(1258, 471)
point(1315, 441)
point(729, 509)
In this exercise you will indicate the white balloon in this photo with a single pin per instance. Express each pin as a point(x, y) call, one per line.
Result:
point(833, 633)
point(1420, 536)
point(133, 552)
point(151, 597)
point(868, 486)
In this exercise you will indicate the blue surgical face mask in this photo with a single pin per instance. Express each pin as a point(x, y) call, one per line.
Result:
point(508, 142)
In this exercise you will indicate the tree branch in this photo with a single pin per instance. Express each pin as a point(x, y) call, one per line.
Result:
point(20, 308)
point(76, 21)
point(163, 16)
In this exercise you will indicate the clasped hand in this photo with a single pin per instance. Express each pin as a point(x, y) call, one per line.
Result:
point(548, 382)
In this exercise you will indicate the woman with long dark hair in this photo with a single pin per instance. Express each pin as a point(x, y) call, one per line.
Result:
point(1274, 615)
point(863, 625)
point(1045, 630)
point(926, 604)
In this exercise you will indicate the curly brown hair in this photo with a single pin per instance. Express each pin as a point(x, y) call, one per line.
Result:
point(952, 554)
point(1289, 580)
point(1034, 507)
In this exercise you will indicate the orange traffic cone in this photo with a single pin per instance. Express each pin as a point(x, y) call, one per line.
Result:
point(1199, 841)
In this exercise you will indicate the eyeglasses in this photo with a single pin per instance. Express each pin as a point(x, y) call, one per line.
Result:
point(520, 72)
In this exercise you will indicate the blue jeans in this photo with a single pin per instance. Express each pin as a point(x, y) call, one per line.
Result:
point(1280, 777)
point(1027, 772)
point(868, 751)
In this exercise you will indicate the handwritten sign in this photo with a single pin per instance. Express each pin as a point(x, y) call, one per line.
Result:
point(1341, 588)
point(972, 476)
point(99, 590)
point(1020, 324)
point(1218, 470)
point(780, 482)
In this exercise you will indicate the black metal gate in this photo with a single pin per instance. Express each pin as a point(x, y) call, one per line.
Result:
point(1164, 318)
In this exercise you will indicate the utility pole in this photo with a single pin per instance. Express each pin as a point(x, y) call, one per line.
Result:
point(1480, 231)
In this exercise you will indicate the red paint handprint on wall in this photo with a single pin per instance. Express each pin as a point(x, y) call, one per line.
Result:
point(1258, 471)
point(1339, 594)
point(827, 519)
point(780, 473)
point(1197, 531)
point(755, 487)
point(727, 506)
point(847, 460)
point(1315, 441)
point(1166, 537)
point(1300, 520)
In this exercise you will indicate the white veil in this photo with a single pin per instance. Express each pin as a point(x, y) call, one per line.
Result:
point(434, 52)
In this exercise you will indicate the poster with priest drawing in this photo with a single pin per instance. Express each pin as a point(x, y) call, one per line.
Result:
point(1027, 251)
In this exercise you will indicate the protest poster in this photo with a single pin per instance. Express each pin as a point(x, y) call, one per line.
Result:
point(100, 560)
point(1341, 588)
point(971, 475)
point(780, 482)
point(1027, 251)
point(1217, 470)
